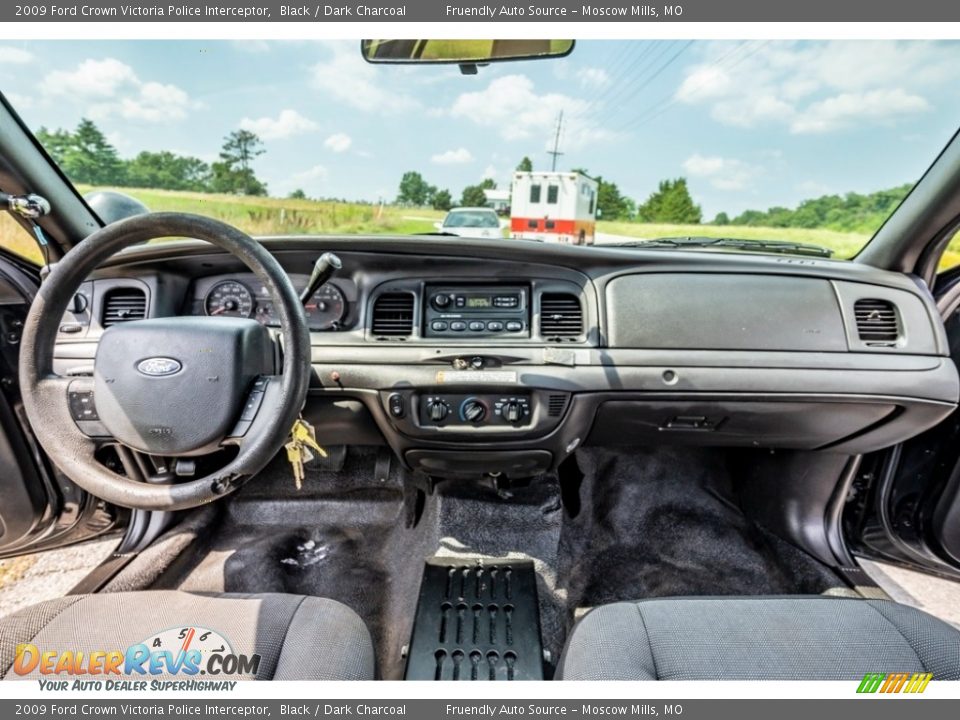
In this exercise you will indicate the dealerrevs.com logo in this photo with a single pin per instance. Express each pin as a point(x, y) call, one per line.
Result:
point(185, 652)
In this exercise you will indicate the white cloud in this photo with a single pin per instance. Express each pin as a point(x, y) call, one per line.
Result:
point(848, 108)
point(287, 124)
point(14, 56)
point(351, 80)
point(593, 77)
point(459, 156)
point(489, 173)
point(311, 181)
point(113, 89)
point(722, 173)
point(91, 79)
point(338, 142)
point(512, 107)
point(816, 87)
point(317, 172)
point(156, 102)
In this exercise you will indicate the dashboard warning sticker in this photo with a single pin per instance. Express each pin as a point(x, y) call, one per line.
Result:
point(497, 377)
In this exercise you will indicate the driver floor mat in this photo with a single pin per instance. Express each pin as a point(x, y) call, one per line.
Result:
point(476, 622)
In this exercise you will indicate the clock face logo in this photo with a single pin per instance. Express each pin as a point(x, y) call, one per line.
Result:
point(185, 639)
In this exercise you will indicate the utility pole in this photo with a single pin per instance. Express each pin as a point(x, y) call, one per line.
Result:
point(555, 153)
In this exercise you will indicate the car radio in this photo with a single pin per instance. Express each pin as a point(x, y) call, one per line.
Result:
point(477, 311)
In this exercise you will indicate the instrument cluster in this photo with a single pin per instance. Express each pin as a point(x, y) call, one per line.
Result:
point(246, 297)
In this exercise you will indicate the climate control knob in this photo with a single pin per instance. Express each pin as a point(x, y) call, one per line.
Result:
point(512, 412)
point(437, 410)
point(473, 411)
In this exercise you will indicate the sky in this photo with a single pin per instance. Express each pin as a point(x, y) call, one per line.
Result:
point(750, 124)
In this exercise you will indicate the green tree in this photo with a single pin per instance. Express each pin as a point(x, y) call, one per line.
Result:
point(721, 219)
point(84, 155)
point(234, 173)
point(526, 165)
point(442, 200)
point(611, 203)
point(297, 194)
point(671, 203)
point(473, 196)
point(414, 190)
point(167, 171)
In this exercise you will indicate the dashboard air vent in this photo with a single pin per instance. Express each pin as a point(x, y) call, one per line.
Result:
point(123, 305)
point(877, 322)
point(556, 405)
point(560, 315)
point(393, 315)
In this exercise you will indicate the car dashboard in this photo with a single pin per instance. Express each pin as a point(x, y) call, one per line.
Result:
point(470, 357)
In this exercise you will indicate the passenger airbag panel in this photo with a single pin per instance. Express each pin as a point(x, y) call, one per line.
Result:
point(724, 312)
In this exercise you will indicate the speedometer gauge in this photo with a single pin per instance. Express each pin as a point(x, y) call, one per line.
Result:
point(229, 298)
point(325, 309)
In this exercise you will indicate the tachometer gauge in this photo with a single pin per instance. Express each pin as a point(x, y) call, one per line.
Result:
point(229, 298)
point(326, 308)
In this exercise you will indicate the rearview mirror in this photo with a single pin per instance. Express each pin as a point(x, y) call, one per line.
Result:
point(462, 52)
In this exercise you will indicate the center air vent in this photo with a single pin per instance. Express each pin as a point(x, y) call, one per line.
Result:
point(877, 323)
point(560, 315)
point(123, 305)
point(393, 315)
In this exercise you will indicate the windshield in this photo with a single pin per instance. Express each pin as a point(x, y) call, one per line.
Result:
point(471, 218)
point(808, 143)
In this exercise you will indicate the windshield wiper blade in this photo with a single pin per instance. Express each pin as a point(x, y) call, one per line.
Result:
point(773, 246)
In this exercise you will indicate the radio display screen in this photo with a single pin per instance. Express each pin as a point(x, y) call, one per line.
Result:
point(479, 302)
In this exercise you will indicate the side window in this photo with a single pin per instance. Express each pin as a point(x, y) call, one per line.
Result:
point(951, 255)
point(534, 193)
point(553, 191)
point(14, 239)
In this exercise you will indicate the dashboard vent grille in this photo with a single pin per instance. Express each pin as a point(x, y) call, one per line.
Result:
point(560, 315)
point(556, 405)
point(123, 305)
point(393, 315)
point(877, 323)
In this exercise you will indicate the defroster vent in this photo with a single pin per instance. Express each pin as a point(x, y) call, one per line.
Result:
point(877, 323)
point(393, 315)
point(560, 316)
point(123, 305)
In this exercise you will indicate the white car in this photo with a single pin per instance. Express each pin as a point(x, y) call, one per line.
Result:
point(471, 222)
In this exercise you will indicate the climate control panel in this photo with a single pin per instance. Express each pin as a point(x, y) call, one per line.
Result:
point(445, 410)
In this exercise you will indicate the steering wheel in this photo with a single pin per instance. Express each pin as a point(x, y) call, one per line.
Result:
point(173, 388)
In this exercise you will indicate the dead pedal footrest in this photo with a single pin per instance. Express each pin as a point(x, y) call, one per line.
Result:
point(476, 621)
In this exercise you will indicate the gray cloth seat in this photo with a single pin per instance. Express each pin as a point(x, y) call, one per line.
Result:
point(297, 637)
point(758, 638)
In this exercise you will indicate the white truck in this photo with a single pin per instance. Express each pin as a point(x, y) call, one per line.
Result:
point(554, 207)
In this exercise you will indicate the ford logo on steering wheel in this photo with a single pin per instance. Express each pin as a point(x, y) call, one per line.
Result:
point(159, 366)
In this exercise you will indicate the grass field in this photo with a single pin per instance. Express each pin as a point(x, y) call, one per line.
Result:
point(276, 216)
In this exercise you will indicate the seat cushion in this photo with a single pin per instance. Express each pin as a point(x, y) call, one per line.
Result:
point(758, 638)
point(297, 637)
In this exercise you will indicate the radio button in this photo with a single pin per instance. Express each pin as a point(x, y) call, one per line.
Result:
point(494, 326)
point(477, 326)
point(458, 325)
point(514, 326)
point(439, 325)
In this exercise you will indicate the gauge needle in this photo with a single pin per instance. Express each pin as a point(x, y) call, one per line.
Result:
point(218, 310)
point(188, 640)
